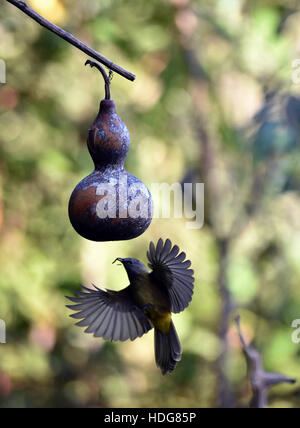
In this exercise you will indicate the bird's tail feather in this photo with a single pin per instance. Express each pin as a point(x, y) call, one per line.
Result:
point(167, 349)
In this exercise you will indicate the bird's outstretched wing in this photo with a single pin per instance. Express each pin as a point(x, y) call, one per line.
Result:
point(172, 272)
point(109, 314)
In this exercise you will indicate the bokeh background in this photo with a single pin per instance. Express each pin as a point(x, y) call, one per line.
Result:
point(214, 102)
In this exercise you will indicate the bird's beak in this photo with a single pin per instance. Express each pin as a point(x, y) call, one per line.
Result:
point(118, 260)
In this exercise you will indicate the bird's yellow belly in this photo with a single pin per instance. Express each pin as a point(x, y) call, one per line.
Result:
point(160, 320)
point(155, 306)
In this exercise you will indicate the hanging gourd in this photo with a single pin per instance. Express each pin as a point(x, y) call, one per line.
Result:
point(110, 204)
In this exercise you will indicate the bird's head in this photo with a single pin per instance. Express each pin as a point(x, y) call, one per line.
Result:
point(133, 267)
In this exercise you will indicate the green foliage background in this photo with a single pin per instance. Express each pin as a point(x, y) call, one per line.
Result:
point(242, 88)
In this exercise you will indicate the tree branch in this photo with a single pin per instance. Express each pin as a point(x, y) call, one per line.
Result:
point(261, 380)
point(71, 39)
point(226, 396)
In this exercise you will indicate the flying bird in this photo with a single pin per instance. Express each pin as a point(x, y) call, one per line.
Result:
point(148, 302)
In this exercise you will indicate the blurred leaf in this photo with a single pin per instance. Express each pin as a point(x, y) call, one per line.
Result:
point(243, 281)
point(274, 139)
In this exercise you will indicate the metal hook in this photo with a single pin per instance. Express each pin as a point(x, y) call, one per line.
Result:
point(106, 78)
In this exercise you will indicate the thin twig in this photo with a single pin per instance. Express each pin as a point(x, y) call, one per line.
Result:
point(71, 39)
point(261, 380)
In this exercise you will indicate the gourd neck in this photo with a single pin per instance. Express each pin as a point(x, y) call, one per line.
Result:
point(108, 138)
